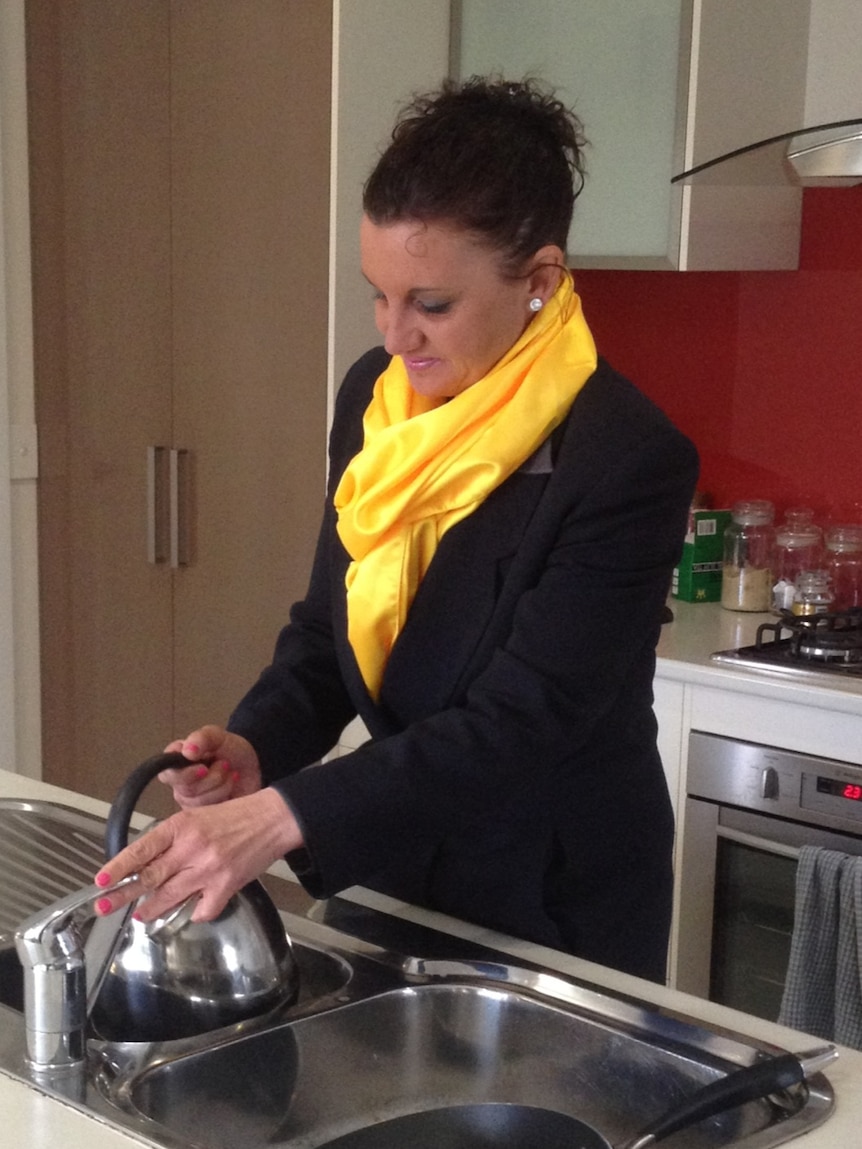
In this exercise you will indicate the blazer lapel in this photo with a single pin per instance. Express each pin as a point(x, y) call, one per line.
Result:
point(454, 605)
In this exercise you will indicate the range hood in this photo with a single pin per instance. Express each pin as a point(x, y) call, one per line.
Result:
point(829, 155)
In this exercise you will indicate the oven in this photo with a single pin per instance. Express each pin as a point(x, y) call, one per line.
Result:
point(748, 810)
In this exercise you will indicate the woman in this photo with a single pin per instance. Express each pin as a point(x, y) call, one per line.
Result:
point(503, 517)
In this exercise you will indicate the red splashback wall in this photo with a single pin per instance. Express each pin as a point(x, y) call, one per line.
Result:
point(762, 369)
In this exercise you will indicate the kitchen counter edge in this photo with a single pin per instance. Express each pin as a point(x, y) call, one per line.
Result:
point(40, 1122)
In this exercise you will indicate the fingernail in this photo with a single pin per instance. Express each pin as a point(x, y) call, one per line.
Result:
point(192, 749)
point(136, 915)
point(103, 879)
point(104, 906)
point(201, 772)
point(235, 776)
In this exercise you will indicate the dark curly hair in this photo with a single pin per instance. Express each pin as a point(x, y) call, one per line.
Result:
point(501, 159)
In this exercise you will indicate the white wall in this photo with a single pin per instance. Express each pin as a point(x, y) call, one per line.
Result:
point(19, 608)
point(380, 58)
point(834, 89)
point(7, 697)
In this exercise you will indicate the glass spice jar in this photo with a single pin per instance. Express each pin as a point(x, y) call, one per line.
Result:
point(813, 593)
point(844, 563)
point(749, 546)
point(798, 548)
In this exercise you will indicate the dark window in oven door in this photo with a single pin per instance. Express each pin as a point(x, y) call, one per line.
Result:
point(752, 927)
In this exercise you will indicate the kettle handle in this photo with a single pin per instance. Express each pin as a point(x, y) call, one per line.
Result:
point(123, 806)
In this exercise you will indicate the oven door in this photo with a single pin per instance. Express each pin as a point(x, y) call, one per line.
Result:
point(736, 897)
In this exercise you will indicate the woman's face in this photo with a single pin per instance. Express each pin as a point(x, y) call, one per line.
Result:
point(442, 302)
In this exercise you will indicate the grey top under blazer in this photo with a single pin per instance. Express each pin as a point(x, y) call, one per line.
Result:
point(512, 777)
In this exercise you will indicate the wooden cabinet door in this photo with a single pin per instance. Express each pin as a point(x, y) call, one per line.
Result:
point(98, 87)
point(179, 198)
point(250, 147)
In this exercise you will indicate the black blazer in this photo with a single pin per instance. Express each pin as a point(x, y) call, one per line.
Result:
point(512, 776)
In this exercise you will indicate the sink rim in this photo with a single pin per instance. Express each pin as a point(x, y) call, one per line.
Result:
point(104, 1098)
point(814, 1109)
point(374, 969)
point(720, 1049)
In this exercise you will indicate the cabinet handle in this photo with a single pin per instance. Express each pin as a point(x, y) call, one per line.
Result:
point(179, 514)
point(157, 550)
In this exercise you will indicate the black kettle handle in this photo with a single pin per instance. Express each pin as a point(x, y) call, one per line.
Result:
point(117, 829)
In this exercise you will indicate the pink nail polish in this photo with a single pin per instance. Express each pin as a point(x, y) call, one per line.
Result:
point(103, 879)
point(103, 905)
point(201, 772)
point(192, 749)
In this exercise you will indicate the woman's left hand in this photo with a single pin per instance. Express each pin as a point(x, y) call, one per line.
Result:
point(209, 850)
point(222, 765)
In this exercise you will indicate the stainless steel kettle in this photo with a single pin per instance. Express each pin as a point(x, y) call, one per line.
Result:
point(174, 977)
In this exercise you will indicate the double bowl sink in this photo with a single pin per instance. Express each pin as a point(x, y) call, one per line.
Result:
point(376, 1034)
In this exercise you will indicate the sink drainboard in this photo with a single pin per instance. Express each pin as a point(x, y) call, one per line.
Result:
point(46, 851)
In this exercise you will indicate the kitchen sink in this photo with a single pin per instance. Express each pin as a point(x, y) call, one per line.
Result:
point(377, 1034)
point(451, 1033)
point(417, 1048)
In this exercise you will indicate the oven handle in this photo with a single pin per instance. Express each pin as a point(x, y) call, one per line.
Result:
point(765, 844)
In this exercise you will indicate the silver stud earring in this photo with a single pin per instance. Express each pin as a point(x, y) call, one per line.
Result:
point(536, 304)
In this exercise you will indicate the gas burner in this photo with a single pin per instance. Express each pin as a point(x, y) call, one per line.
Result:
point(834, 636)
point(830, 642)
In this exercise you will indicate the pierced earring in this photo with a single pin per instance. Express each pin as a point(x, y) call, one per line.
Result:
point(536, 304)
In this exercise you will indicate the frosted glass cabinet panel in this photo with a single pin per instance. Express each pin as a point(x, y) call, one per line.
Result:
point(659, 85)
point(617, 63)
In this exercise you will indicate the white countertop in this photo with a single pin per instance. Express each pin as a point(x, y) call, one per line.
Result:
point(699, 629)
point(31, 1119)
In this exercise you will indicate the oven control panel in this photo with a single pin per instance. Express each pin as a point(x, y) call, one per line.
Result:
point(838, 793)
point(773, 781)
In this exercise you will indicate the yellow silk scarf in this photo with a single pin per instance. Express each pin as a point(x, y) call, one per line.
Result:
point(424, 466)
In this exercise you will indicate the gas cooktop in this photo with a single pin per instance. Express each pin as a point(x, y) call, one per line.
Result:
point(826, 643)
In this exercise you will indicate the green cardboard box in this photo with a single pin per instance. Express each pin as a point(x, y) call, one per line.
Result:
point(698, 576)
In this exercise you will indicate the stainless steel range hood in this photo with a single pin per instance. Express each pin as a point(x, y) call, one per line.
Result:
point(829, 155)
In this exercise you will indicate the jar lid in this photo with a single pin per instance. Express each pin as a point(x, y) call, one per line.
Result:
point(753, 512)
point(845, 537)
point(799, 516)
point(814, 580)
point(801, 535)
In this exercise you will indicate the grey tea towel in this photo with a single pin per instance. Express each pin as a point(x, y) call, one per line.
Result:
point(823, 991)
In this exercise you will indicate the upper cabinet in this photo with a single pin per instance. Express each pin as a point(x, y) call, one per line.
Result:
point(662, 86)
point(619, 64)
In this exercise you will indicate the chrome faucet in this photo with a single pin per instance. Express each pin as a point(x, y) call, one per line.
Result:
point(66, 951)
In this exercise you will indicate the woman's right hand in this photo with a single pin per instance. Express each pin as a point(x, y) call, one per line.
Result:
point(221, 766)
